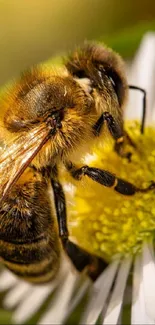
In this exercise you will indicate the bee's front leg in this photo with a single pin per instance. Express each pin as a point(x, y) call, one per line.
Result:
point(117, 132)
point(114, 127)
point(120, 144)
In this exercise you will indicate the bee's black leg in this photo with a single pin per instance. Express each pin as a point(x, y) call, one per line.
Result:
point(80, 258)
point(120, 144)
point(115, 128)
point(60, 206)
point(107, 179)
point(116, 131)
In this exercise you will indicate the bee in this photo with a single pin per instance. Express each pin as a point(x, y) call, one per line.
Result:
point(48, 119)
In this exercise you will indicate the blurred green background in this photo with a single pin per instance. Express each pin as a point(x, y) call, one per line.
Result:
point(32, 31)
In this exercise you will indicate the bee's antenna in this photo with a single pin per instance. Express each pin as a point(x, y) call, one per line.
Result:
point(144, 106)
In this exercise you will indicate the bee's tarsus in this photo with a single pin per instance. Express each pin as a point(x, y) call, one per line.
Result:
point(147, 189)
point(127, 188)
point(120, 144)
point(119, 148)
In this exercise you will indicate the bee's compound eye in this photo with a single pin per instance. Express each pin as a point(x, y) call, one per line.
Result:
point(116, 83)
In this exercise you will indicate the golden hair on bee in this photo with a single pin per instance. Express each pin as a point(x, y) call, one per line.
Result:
point(49, 119)
point(29, 242)
point(106, 71)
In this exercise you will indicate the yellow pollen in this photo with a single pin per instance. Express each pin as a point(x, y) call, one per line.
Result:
point(109, 223)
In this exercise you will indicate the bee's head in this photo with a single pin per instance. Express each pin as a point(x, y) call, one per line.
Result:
point(105, 70)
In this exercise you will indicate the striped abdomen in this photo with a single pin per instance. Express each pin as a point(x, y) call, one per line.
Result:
point(29, 242)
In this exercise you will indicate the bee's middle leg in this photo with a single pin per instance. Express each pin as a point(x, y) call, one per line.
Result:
point(107, 179)
point(79, 257)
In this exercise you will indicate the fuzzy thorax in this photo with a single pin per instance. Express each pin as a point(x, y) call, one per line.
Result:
point(105, 222)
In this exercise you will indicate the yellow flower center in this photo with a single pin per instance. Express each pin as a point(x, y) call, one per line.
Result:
point(105, 222)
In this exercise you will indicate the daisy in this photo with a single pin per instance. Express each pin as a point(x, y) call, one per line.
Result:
point(122, 232)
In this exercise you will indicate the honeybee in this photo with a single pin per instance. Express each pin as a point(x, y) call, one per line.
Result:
point(46, 121)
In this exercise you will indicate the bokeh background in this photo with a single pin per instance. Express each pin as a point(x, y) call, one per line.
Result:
point(33, 31)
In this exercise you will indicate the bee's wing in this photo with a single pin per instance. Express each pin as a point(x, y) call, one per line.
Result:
point(18, 155)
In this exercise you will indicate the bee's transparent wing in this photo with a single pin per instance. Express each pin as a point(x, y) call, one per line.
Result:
point(18, 155)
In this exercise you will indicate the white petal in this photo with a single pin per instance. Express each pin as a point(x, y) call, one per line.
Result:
point(32, 302)
point(141, 74)
point(99, 294)
point(149, 279)
point(60, 302)
point(7, 280)
point(138, 310)
point(16, 294)
point(37, 294)
point(115, 304)
point(79, 295)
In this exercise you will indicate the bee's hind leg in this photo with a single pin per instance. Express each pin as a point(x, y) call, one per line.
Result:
point(60, 206)
point(80, 258)
point(92, 264)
